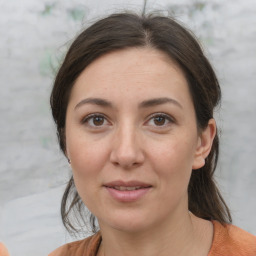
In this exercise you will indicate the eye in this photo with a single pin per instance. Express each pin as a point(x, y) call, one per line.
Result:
point(160, 120)
point(95, 120)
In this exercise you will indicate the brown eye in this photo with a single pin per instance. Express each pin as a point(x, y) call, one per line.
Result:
point(159, 120)
point(98, 120)
point(95, 121)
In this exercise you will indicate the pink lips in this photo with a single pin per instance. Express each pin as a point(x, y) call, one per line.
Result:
point(127, 191)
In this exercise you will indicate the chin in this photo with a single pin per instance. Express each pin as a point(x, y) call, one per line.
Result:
point(130, 227)
point(129, 223)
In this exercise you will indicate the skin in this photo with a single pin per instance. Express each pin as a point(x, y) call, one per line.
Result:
point(3, 250)
point(158, 144)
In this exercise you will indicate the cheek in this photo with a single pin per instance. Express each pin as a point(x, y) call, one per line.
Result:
point(173, 162)
point(83, 150)
point(87, 160)
point(87, 163)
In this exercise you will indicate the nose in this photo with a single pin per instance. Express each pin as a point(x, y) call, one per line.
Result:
point(127, 150)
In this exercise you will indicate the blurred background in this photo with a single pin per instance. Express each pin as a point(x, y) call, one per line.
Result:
point(33, 173)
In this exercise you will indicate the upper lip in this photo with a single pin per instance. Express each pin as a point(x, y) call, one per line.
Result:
point(132, 183)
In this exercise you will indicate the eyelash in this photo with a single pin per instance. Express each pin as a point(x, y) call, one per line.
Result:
point(87, 119)
point(161, 115)
point(166, 117)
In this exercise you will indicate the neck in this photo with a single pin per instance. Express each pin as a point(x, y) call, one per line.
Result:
point(184, 235)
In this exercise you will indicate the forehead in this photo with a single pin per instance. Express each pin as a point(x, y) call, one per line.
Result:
point(134, 72)
point(132, 60)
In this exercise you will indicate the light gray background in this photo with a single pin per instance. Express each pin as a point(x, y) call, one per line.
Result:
point(34, 36)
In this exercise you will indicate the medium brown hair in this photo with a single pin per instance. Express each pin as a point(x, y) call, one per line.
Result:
point(126, 30)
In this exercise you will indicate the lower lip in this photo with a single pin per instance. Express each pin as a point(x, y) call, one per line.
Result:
point(127, 195)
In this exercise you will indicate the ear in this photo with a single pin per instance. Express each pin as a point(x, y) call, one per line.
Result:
point(204, 145)
point(67, 155)
point(64, 144)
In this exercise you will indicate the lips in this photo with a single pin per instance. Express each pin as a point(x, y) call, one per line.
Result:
point(130, 185)
point(123, 188)
point(127, 191)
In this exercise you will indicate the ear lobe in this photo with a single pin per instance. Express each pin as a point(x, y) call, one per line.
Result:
point(204, 146)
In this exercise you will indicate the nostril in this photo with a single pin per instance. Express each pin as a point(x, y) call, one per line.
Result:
point(115, 163)
point(126, 154)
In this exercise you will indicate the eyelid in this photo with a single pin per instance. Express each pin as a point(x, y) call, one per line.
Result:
point(88, 117)
point(168, 116)
point(162, 114)
point(92, 115)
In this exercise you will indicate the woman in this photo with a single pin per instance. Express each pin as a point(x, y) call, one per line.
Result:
point(133, 103)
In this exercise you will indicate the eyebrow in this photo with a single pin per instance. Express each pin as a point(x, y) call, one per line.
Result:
point(144, 104)
point(159, 101)
point(94, 101)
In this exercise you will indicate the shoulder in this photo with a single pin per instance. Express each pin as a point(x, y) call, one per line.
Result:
point(3, 250)
point(231, 240)
point(88, 246)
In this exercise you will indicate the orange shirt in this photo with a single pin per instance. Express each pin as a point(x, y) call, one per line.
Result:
point(3, 250)
point(228, 240)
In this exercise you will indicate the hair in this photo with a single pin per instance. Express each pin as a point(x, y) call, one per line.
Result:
point(126, 30)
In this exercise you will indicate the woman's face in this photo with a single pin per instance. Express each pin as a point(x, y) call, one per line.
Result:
point(132, 139)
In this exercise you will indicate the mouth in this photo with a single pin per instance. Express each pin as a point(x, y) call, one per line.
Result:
point(127, 191)
point(127, 186)
point(123, 188)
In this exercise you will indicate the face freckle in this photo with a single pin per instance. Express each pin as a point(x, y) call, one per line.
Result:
point(129, 147)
